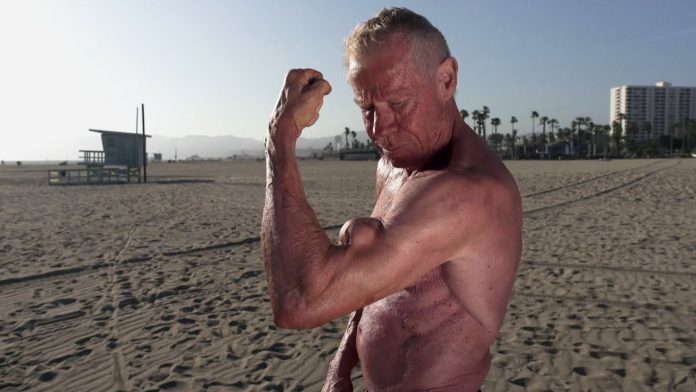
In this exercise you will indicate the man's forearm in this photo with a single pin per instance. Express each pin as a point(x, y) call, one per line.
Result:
point(294, 244)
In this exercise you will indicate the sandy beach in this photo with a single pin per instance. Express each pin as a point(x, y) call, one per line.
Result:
point(160, 286)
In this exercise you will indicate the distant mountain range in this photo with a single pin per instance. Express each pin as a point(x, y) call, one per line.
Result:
point(227, 146)
point(59, 149)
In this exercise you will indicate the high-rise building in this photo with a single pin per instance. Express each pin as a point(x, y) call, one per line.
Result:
point(652, 110)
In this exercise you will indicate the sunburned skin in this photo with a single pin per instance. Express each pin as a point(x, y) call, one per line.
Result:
point(424, 337)
point(427, 277)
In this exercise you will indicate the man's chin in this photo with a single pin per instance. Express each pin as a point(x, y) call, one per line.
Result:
point(399, 161)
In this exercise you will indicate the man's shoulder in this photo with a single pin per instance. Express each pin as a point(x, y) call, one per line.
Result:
point(472, 183)
point(462, 193)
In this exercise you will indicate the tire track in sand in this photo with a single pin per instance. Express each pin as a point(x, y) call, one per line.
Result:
point(585, 181)
point(250, 240)
point(601, 192)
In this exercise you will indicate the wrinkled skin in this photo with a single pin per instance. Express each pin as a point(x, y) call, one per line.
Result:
point(428, 275)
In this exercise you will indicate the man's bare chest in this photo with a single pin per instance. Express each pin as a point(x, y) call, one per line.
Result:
point(389, 191)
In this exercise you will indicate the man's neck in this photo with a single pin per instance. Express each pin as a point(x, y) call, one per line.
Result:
point(440, 159)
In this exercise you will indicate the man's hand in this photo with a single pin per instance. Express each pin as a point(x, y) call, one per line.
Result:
point(298, 105)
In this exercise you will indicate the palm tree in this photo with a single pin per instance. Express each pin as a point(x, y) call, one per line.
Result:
point(617, 133)
point(606, 129)
point(571, 136)
point(525, 143)
point(588, 134)
point(618, 130)
point(564, 137)
point(513, 121)
point(535, 143)
point(534, 116)
point(347, 132)
point(543, 122)
point(495, 122)
point(592, 138)
point(464, 114)
point(475, 115)
point(553, 123)
point(507, 138)
point(580, 121)
point(484, 116)
point(631, 136)
point(354, 136)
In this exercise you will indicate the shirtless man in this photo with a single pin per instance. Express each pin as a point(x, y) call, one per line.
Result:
point(428, 275)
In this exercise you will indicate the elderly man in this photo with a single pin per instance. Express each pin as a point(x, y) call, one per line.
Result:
point(428, 275)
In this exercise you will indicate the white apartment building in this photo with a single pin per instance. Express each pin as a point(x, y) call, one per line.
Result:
point(652, 109)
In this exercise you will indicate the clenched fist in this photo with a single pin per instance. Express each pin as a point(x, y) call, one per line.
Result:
point(298, 105)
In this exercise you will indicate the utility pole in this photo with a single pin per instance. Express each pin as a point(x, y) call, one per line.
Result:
point(135, 150)
point(142, 106)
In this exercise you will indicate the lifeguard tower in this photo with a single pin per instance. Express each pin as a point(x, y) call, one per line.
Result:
point(120, 161)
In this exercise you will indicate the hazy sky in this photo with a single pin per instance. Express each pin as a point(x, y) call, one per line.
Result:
point(215, 67)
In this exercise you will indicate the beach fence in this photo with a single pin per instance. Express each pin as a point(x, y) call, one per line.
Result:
point(358, 155)
point(94, 175)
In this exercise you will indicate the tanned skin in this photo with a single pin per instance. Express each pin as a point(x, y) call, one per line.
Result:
point(429, 274)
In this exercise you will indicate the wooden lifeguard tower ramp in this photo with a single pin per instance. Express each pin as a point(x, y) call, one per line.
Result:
point(120, 161)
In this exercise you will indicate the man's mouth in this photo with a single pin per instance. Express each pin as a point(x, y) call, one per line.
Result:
point(386, 146)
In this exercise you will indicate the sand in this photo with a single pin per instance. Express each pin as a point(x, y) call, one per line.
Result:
point(160, 286)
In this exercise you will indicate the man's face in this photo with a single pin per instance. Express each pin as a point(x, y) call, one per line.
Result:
point(402, 111)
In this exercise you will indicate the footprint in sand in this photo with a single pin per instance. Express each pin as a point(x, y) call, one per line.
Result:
point(689, 361)
point(580, 370)
point(185, 321)
point(520, 381)
point(47, 376)
point(168, 385)
point(158, 376)
point(143, 348)
point(168, 317)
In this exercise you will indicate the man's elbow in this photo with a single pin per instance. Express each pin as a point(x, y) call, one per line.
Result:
point(291, 319)
point(282, 320)
point(292, 313)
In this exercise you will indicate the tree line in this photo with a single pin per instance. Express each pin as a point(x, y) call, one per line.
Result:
point(353, 144)
point(583, 139)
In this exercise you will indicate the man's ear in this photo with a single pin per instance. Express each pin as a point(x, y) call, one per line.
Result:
point(447, 78)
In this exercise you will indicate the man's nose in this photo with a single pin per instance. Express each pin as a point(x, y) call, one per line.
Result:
point(383, 123)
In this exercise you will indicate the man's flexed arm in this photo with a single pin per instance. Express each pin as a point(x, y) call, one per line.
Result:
point(291, 236)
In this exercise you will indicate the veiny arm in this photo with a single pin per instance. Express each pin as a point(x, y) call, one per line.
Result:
point(293, 242)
